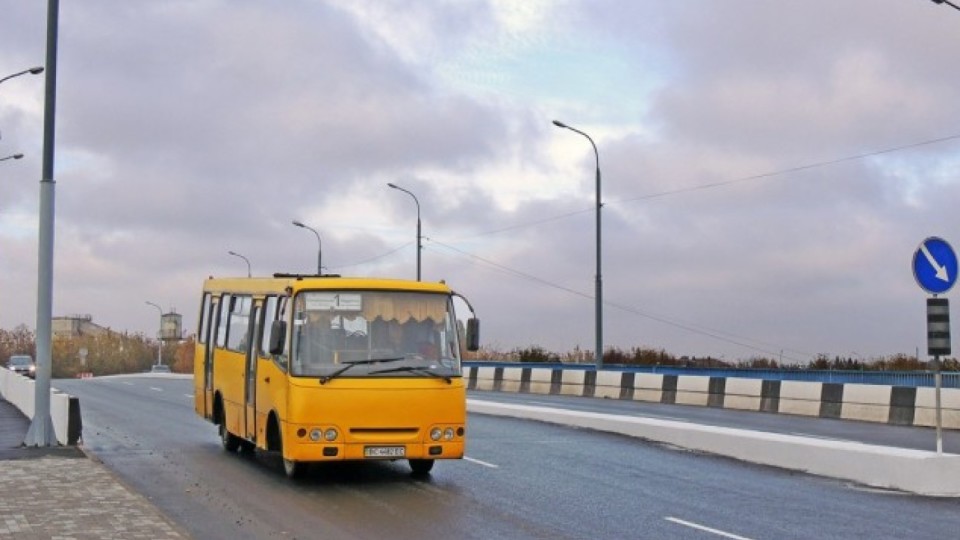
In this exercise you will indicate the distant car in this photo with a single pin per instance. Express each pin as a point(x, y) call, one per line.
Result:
point(22, 364)
point(160, 368)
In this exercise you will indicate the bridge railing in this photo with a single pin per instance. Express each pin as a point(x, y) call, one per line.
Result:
point(915, 379)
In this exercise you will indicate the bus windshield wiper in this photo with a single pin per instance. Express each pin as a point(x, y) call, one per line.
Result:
point(412, 369)
point(350, 363)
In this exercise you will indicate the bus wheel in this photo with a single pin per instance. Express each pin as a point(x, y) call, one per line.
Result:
point(421, 466)
point(229, 440)
point(293, 469)
point(247, 447)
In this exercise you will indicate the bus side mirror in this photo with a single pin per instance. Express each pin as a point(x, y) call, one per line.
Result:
point(473, 334)
point(278, 335)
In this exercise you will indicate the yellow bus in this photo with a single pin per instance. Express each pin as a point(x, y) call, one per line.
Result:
point(327, 368)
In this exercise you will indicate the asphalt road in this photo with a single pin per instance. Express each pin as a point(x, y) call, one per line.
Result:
point(521, 479)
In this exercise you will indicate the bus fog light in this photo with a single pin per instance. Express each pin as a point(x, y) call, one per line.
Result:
point(436, 433)
point(330, 434)
point(448, 434)
point(315, 434)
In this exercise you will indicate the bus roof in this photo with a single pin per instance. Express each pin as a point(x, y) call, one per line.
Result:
point(280, 282)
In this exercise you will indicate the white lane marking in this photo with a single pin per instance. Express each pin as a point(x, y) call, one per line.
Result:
point(128, 383)
point(478, 462)
point(155, 389)
point(189, 396)
point(704, 528)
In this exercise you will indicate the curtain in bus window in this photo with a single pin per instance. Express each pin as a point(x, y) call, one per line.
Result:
point(403, 307)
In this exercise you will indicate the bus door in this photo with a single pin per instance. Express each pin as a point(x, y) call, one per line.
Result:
point(270, 390)
point(250, 374)
point(213, 320)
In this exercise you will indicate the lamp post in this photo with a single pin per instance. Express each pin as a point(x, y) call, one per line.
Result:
point(246, 260)
point(40, 432)
point(32, 71)
point(947, 2)
point(319, 246)
point(159, 334)
point(419, 236)
point(598, 295)
point(14, 156)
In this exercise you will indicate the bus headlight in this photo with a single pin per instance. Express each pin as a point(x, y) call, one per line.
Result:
point(330, 434)
point(436, 433)
point(315, 434)
point(448, 434)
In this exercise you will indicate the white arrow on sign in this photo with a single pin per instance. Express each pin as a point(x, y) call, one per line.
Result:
point(941, 270)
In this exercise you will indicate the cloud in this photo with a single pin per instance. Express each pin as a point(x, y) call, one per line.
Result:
point(747, 209)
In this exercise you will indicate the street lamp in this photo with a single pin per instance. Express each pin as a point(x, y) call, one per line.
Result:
point(419, 236)
point(246, 260)
point(598, 296)
point(319, 245)
point(40, 432)
point(159, 333)
point(947, 2)
point(32, 71)
point(14, 156)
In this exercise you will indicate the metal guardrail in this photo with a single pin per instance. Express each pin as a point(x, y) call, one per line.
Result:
point(951, 379)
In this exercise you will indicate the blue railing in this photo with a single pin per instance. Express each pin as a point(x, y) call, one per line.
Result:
point(951, 379)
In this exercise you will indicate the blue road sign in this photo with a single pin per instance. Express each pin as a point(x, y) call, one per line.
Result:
point(935, 265)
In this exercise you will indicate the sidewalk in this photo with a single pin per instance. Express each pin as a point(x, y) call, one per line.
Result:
point(59, 492)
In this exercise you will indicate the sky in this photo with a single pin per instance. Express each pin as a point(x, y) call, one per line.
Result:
point(768, 169)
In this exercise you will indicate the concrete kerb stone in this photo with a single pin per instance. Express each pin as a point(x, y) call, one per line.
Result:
point(914, 471)
point(64, 408)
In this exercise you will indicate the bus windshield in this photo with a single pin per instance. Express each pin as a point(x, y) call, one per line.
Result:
point(374, 334)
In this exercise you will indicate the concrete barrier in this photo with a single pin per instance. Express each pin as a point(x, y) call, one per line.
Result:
point(897, 405)
point(64, 408)
point(914, 471)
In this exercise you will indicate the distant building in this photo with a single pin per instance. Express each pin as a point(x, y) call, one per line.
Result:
point(171, 326)
point(73, 326)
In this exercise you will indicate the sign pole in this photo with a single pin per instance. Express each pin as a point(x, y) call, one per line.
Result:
point(935, 268)
point(938, 344)
point(937, 382)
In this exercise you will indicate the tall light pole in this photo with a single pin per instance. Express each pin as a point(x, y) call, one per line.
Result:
point(159, 334)
point(246, 260)
point(32, 71)
point(319, 246)
point(419, 236)
point(14, 156)
point(598, 295)
point(41, 427)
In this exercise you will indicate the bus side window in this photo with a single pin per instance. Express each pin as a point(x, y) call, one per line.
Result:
point(273, 337)
point(226, 302)
point(267, 316)
point(204, 319)
point(239, 323)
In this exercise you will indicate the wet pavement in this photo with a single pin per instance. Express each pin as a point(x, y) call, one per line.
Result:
point(62, 493)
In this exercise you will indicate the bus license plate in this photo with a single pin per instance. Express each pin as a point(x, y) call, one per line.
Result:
point(384, 451)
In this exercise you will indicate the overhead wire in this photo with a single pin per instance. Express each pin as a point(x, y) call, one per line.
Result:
point(722, 183)
point(684, 325)
point(712, 333)
point(371, 259)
